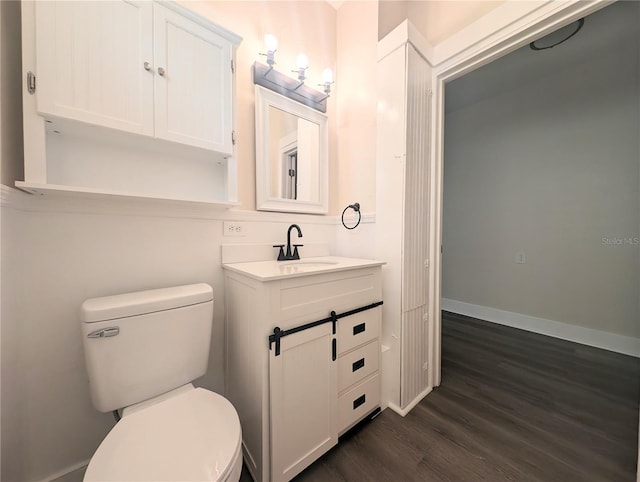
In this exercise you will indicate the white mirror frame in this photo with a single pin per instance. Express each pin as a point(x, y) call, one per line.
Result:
point(264, 202)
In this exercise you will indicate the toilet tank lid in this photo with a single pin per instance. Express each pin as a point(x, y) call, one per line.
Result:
point(143, 302)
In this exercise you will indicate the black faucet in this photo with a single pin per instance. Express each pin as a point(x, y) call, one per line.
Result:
point(288, 256)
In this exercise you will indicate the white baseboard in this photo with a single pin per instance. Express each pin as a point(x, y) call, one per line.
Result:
point(586, 336)
point(404, 411)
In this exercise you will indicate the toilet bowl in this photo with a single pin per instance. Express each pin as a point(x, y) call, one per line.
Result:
point(191, 435)
point(142, 351)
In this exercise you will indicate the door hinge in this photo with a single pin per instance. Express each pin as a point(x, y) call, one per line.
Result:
point(233, 138)
point(31, 82)
point(233, 67)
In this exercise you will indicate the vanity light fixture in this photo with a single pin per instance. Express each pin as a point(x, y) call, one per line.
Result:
point(327, 80)
point(271, 44)
point(303, 65)
point(267, 76)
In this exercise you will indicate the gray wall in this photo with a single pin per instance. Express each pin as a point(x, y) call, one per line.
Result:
point(549, 167)
point(10, 97)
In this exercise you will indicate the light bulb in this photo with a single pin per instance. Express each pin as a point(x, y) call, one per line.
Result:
point(271, 42)
point(302, 61)
point(327, 76)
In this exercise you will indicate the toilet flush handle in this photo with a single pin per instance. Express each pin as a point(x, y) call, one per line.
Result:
point(104, 333)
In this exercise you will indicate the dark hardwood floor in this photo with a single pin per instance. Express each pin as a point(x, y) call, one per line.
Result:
point(512, 405)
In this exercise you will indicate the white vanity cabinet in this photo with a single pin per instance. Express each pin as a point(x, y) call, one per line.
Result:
point(296, 396)
point(303, 393)
point(128, 97)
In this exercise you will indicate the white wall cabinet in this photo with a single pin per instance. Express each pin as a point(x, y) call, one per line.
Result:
point(90, 63)
point(193, 88)
point(135, 66)
point(294, 405)
point(403, 171)
point(130, 97)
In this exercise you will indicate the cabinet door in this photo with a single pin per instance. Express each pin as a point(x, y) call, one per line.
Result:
point(91, 62)
point(193, 88)
point(304, 401)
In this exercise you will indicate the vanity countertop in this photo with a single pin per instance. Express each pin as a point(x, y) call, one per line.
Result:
point(274, 270)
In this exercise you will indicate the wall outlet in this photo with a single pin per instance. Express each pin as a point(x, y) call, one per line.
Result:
point(233, 228)
point(521, 258)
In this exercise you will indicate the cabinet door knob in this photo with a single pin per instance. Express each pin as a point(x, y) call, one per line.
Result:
point(161, 71)
point(147, 66)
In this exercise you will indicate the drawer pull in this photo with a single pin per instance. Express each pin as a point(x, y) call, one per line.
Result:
point(359, 401)
point(357, 365)
point(359, 328)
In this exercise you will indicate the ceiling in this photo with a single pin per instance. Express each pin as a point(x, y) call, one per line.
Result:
point(604, 32)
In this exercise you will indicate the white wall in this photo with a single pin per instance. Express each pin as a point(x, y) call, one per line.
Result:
point(549, 168)
point(436, 20)
point(58, 253)
point(357, 98)
point(10, 148)
point(391, 13)
point(300, 26)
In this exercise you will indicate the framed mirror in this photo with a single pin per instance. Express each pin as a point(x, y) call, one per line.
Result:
point(292, 167)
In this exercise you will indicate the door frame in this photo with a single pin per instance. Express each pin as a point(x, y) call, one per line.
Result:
point(511, 26)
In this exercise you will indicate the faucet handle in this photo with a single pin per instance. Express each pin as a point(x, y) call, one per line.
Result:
point(281, 256)
point(296, 255)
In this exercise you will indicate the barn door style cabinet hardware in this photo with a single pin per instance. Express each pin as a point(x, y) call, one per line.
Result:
point(333, 318)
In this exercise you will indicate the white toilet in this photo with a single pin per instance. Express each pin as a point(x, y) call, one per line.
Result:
point(142, 352)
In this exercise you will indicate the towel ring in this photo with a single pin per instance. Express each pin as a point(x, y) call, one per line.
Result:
point(356, 208)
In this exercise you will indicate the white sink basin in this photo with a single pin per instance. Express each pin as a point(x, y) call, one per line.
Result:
point(272, 270)
point(309, 263)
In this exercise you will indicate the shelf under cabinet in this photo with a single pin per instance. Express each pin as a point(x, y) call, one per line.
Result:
point(82, 192)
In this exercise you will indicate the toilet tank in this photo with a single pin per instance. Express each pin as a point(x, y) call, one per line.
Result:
point(139, 345)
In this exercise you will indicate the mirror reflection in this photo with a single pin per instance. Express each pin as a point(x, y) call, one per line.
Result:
point(294, 161)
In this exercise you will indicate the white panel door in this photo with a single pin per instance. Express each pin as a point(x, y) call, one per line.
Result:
point(304, 401)
point(193, 85)
point(91, 62)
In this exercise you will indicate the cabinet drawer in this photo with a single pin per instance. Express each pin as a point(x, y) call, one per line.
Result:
point(358, 402)
point(358, 364)
point(357, 329)
point(314, 297)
